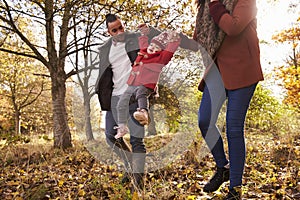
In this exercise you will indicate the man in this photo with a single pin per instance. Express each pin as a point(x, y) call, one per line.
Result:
point(117, 55)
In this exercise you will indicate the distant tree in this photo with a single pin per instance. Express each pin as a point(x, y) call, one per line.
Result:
point(18, 83)
point(50, 20)
point(290, 74)
point(37, 118)
point(85, 61)
point(6, 117)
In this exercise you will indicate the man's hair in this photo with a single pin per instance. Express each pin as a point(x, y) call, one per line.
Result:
point(110, 18)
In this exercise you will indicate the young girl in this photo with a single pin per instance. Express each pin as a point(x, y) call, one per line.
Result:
point(145, 74)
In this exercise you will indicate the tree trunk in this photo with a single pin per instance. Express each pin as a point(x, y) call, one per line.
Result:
point(61, 130)
point(17, 122)
point(87, 113)
point(56, 64)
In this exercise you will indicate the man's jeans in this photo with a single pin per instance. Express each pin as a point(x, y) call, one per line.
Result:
point(137, 133)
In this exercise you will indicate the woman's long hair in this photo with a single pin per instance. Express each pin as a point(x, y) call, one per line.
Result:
point(199, 3)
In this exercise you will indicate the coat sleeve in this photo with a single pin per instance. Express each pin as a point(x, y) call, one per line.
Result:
point(143, 42)
point(172, 46)
point(168, 53)
point(104, 83)
point(187, 43)
point(105, 89)
point(153, 32)
point(233, 24)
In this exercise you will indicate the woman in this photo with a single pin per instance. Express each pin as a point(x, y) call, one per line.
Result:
point(234, 76)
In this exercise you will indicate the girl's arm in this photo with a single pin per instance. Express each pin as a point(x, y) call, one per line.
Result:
point(143, 42)
point(167, 54)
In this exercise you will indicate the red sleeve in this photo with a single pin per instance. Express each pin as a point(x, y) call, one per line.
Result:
point(143, 42)
point(168, 53)
point(217, 9)
point(232, 24)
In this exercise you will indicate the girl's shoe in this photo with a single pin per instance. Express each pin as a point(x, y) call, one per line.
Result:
point(142, 116)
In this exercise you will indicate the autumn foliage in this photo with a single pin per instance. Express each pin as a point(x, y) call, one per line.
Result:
point(291, 82)
point(30, 168)
point(290, 74)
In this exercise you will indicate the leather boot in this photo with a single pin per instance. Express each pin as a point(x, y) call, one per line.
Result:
point(138, 182)
point(123, 151)
point(138, 166)
point(221, 176)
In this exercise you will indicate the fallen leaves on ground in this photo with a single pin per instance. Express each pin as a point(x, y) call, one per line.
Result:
point(39, 172)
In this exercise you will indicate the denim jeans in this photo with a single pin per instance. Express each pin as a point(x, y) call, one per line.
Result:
point(214, 95)
point(137, 133)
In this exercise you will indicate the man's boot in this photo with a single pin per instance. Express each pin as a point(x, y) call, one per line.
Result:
point(138, 166)
point(138, 182)
point(121, 148)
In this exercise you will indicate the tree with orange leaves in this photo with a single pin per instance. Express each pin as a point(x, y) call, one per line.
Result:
point(290, 74)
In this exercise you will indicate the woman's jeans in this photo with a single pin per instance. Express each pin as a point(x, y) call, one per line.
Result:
point(214, 95)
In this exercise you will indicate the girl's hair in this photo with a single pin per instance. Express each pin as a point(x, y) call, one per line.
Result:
point(110, 18)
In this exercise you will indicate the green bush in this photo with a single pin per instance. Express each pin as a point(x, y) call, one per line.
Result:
point(267, 113)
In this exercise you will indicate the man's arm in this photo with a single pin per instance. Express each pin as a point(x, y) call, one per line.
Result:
point(187, 43)
point(153, 32)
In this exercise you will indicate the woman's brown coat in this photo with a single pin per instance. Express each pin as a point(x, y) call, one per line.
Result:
point(238, 57)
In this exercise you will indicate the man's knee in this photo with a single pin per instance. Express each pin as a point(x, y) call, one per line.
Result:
point(110, 138)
